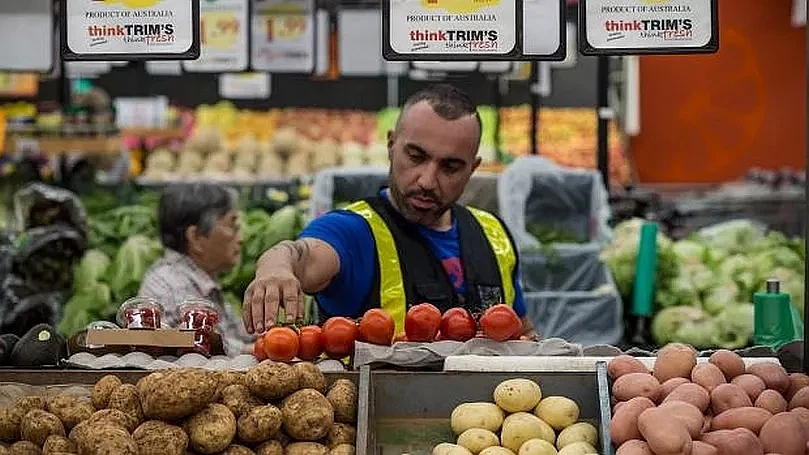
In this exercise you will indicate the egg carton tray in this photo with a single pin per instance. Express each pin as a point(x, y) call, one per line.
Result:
point(143, 361)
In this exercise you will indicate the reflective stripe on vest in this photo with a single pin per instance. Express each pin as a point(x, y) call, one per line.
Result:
point(391, 284)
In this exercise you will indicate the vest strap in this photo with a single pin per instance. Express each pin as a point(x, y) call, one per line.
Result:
point(502, 247)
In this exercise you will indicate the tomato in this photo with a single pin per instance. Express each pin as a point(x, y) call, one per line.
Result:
point(500, 323)
point(458, 325)
point(376, 327)
point(281, 344)
point(258, 350)
point(339, 335)
point(422, 322)
point(310, 340)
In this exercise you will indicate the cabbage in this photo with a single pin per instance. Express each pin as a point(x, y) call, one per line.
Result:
point(91, 270)
point(131, 261)
point(684, 324)
point(734, 326)
point(724, 294)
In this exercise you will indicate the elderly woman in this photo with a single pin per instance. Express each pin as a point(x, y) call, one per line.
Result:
point(199, 228)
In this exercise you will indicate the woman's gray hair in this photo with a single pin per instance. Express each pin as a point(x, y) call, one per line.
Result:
point(191, 204)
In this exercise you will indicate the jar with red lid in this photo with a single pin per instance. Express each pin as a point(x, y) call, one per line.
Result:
point(201, 316)
point(140, 313)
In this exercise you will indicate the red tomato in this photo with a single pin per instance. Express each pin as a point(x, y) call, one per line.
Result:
point(422, 323)
point(500, 323)
point(458, 325)
point(281, 344)
point(376, 327)
point(258, 350)
point(339, 335)
point(310, 340)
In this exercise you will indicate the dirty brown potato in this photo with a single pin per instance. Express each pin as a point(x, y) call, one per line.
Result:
point(212, 429)
point(271, 447)
point(116, 416)
point(148, 382)
point(272, 381)
point(154, 437)
point(24, 448)
point(106, 439)
point(239, 399)
point(225, 379)
point(10, 418)
point(340, 433)
point(82, 431)
point(125, 398)
point(177, 394)
point(259, 424)
point(343, 398)
point(37, 425)
point(238, 450)
point(308, 415)
point(103, 389)
point(343, 449)
point(56, 443)
point(306, 448)
point(70, 410)
point(310, 376)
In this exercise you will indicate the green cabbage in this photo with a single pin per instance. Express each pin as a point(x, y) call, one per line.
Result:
point(734, 326)
point(684, 324)
point(131, 262)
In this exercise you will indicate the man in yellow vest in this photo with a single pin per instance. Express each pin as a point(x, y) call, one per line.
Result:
point(410, 244)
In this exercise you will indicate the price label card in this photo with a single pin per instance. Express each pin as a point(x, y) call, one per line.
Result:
point(626, 27)
point(223, 37)
point(544, 29)
point(283, 36)
point(246, 86)
point(112, 30)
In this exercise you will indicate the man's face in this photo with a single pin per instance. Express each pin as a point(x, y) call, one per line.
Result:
point(431, 160)
point(221, 249)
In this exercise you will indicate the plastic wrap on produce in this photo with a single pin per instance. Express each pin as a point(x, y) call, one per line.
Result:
point(585, 317)
point(564, 267)
point(42, 205)
point(535, 193)
point(427, 355)
point(143, 361)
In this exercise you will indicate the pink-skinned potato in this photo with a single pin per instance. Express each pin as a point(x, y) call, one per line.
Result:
point(729, 362)
point(734, 442)
point(625, 364)
point(797, 381)
point(691, 393)
point(703, 448)
point(674, 360)
point(800, 399)
point(688, 414)
point(751, 418)
point(752, 385)
point(783, 434)
point(664, 432)
point(634, 447)
point(773, 374)
point(669, 386)
point(624, 423)
point(729, 396)
point(634, 385)
point(707, 375)
point(771, 401)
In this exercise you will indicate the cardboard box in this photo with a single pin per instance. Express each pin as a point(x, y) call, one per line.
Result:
point(167, 338)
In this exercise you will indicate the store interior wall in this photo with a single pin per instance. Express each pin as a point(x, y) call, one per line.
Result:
point(708, 119)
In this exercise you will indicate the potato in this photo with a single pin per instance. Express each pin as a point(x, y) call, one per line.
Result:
point(797, 381)
point(56, 443)
point(496, 451)
point(708, 376)
point(236, 449)
point(688, 414)
point(691, 393)
point(707, 420)
point(624, 424)
point(634, 385)
point(343, 449)
point(82, 433)
point(625, 364)
point(729, 396)
point(114, 415)
point(341, 433)
point(446, 448)
point(70, 410)
point(634, 447)
point(558, 412)
point(578, 448)
point(537, 447)
point(238, 399)
point(664, 432)
point(154, 437)
point(517, 395)
point(581, 431)
point(259, 423)
point(24, 448)
point(703, 448)
point(752, 385)
point(783, 434)
point(522, 426)
point(271, 447)
point(10, 418)
point(773, 375)
point(477, 439)
point(306, 448)
point(177, 394)
point(310, 376)
point(37, 425)
point(734, 442)
point(803, 415)
point(212, 429)
point(771, 401)
point(103, 389)
point(667, 387)
point(105, 438)
point(674, 360)
point(747, 417)
point(800, 399)
point(272, 381)
point(343, 397)
point(729, 362)
point(125, 398)
point(308, 415)
point(476, 415)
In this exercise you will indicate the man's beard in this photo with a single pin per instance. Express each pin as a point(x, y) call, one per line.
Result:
point(411, 213)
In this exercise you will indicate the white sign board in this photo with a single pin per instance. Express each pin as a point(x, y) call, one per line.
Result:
point(543, 26)
point(224, 25)
point(617, 27)
point(283, 36)
point(130, 29)
point(245, 86)
point(26, 35)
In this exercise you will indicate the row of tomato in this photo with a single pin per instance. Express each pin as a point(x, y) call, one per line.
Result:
point(423, 323)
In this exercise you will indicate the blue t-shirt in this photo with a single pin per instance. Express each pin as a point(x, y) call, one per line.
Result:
point(350, 235)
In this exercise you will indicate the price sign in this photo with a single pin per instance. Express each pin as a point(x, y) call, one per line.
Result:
point(223, 37)
point(284, 36)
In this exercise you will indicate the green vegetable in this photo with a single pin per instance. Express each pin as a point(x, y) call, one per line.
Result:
point(684, 324)
point(91, 303)
point(91, 269)
point(130, 264)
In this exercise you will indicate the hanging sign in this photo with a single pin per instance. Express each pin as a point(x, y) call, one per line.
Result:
point(223, 28)
point(544, 27)
point(626, 27)
point(451, 30)
point(111, 30)
point(27, 35)
point(283, 36)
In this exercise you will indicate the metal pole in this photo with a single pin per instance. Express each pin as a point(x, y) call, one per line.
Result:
point(604, 115)
point(805, 223)
point(534, 109)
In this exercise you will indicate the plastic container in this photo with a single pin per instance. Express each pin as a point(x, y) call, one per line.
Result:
point(202, 316)
point(140, 313)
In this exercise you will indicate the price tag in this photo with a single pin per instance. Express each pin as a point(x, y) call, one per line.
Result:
point(246, 86)
point(223, 37)
point(284, 36)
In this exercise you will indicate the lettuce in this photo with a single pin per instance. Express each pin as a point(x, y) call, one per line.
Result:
point(131, 262)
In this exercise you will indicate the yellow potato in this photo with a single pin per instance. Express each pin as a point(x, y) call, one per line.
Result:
point(522, 426)
point(446, 448)
point(495, 450)
point(578, 448)
point(517, 395)
point(476, 415)
point(537, 447)
point(477, 439)
point(581, 431)
point(558, 412)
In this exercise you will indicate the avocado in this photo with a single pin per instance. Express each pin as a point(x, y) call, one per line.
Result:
point(40, 346)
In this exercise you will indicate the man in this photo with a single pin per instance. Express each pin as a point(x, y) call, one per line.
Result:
point(408, 245)
point(199, 229)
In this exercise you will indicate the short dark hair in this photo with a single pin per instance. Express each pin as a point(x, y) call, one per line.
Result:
point(191, 204)
point(447, 101)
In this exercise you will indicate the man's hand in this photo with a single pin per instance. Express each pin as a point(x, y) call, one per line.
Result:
point(268, 293)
